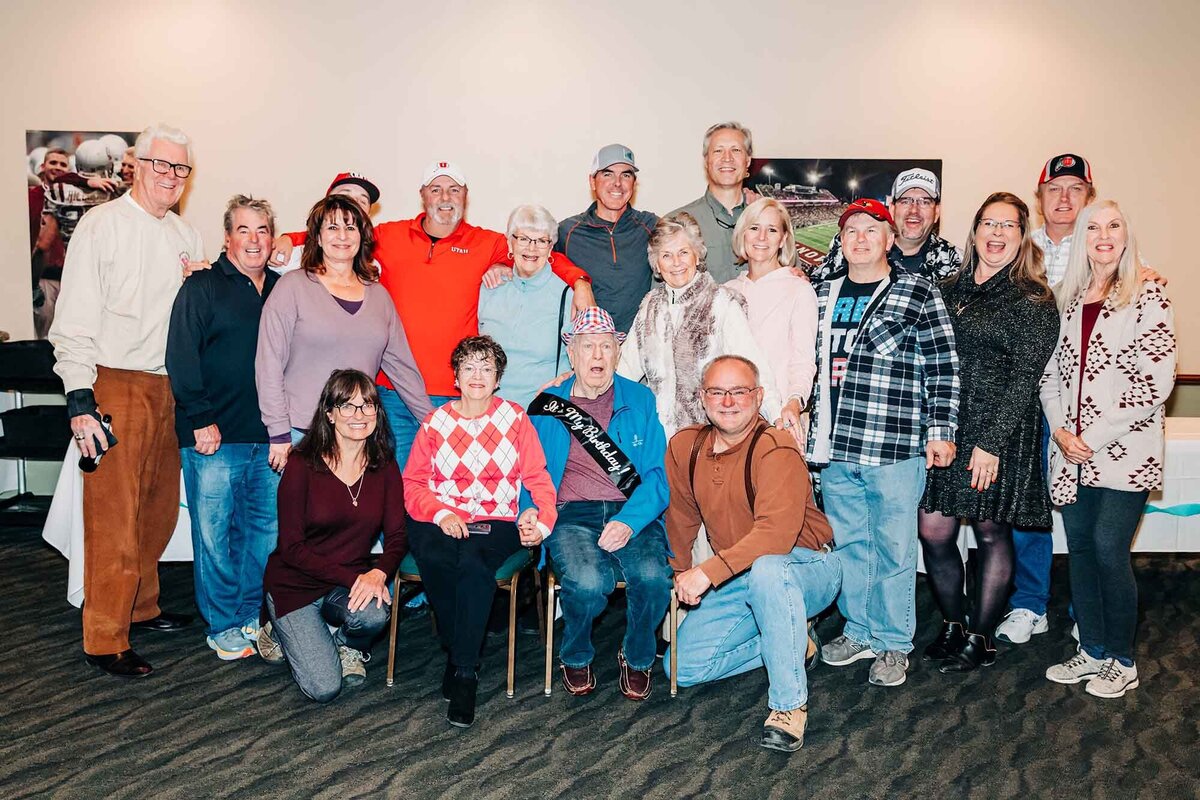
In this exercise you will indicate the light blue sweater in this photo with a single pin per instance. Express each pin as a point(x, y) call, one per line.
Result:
point(522, 315)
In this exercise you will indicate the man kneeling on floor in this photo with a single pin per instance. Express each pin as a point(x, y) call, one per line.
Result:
point(746, 482)
point(604, 450)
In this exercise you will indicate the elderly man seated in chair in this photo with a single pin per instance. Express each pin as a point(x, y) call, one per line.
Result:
point(747, 484)
point(604, 450)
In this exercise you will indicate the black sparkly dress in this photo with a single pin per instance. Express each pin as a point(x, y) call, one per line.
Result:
point(1004, 340)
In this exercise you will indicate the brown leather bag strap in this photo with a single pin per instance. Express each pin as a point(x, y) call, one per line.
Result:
point(750, 493)
point(697, 444)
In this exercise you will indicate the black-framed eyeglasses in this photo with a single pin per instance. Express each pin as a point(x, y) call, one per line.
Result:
point(541, 243)
point(162, 167)
point(738, 393)
point(347, 409)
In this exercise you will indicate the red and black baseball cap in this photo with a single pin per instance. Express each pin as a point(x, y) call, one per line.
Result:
point(870, 207)
point(358, 180)
point(1066, 164)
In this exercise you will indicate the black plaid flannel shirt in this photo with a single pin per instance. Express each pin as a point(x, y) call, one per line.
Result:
point(900, 388)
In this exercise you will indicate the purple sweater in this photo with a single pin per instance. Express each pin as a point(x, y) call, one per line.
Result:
point(305, 334)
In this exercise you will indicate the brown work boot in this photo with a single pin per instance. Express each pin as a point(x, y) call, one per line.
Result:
point(784, 730)
point(635, 683)
point(578, 680)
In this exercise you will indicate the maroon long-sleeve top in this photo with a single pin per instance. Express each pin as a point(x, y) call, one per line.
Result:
point(325, 540)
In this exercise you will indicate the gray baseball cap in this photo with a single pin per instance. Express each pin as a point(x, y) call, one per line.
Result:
point(612, 154)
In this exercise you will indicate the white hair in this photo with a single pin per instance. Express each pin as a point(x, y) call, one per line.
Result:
point(163, 133)
point(534, 219)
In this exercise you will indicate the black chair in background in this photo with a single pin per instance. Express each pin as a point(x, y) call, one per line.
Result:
point(37, 433)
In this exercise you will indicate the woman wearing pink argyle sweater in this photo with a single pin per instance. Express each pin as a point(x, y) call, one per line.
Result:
point(462, 484)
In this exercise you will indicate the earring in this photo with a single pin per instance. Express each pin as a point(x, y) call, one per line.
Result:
point(510, 255)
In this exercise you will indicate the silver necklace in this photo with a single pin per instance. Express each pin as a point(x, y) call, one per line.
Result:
point(353, 495)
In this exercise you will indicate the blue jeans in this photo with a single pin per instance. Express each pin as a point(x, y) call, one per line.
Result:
point(312, 650)
point(873, 512)
point(404, 424)
point(760, 618)
point(231, 501)
point(588, 576)
point(1033, 551)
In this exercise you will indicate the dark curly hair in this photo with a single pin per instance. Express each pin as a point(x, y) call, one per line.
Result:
point(339, 207)
point(320, 443)
point(484, 347)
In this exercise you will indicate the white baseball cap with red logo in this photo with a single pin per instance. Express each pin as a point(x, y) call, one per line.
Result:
point(440, 168)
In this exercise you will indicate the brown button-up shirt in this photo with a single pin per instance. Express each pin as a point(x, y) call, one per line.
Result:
point(785, 514)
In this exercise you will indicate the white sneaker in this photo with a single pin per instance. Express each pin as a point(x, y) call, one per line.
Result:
point(1020, 625)
point(1114, 680)
point(353, 670)
point(1075, 631)
point(1076, 669)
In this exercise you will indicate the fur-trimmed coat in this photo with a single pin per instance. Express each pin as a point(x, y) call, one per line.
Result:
point(1116, 399)
point(678, 331)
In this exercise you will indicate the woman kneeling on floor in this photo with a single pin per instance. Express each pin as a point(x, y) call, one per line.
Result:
point(340, 488)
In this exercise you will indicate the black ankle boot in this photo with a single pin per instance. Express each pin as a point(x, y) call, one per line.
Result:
point(948, 642)
point(463, 686)
point(977, 651)
point(447, 676)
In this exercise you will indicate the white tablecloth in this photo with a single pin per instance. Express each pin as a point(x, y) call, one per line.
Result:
point(1171, 523)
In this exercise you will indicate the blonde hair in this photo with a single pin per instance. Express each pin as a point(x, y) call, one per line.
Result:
point(1124, 286)
point(751, 215)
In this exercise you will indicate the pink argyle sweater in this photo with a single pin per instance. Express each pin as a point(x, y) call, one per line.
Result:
point(475, 467)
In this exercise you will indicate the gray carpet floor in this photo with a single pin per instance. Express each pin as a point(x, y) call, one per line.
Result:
point(200, 728)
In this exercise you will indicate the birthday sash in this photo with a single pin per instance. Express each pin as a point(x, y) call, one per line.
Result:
point(594, 439)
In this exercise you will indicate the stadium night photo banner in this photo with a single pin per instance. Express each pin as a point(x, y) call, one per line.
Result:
point(816, 191)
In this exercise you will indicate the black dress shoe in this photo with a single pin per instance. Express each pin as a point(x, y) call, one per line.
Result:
point(977, 651)
point(165, 622)
point(463, 687)
point(125, 664)
point(948, 642)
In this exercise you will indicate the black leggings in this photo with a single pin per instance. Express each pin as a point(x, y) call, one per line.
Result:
point(1100, 527)
point(944, 566)
point(459, 576)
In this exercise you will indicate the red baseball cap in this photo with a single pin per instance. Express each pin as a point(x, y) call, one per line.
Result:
point(872, 208)
point(358, 180)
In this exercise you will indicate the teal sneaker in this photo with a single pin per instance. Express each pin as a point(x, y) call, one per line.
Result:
point(231, 645)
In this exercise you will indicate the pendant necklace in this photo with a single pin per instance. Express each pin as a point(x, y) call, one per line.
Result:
point(354, 496)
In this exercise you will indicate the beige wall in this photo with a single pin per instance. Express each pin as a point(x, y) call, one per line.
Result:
point(281, 96)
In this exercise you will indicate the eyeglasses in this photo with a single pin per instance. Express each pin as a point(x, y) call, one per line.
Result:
point(482, 370)
point(999, 224)
point(163, 167)
point(919, 202)
point(738, 393)
point(542, 244)
point(347, 409)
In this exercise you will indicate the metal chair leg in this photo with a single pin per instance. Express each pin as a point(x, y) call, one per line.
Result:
point(674, 645)
point(539, 602)
point(550, 587)
point(391, 667)
point(512, 630)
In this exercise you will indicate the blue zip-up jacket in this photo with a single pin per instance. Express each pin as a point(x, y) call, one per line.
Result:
point(636, 430)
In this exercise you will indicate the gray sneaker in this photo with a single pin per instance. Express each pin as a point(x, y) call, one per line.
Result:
point(270, 650)
point(842, 651)
point(1076, 669)
point(353, 670)
point(890, 669)
point(1113, 680)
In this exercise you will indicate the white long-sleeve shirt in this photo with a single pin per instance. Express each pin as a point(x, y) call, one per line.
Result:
point(122, 272)
point(783, 317)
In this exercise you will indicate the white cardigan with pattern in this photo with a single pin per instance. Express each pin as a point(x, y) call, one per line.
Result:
point(1117, 397)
